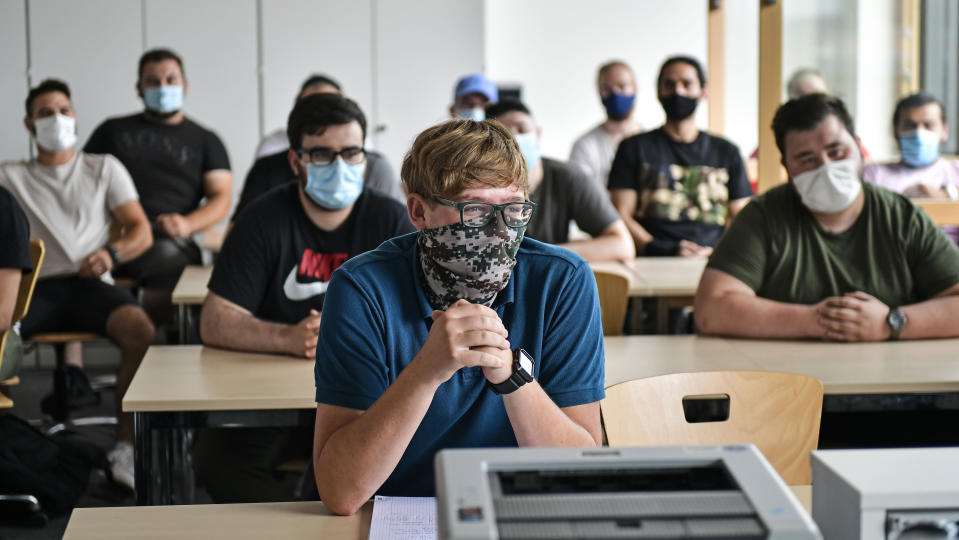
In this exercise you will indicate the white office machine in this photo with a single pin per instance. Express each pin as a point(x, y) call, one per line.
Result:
point(649, 492)
point(894, 493)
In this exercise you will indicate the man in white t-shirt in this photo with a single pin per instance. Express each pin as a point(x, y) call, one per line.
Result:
point(71, 200)
point(919, 124)
point(594, 151)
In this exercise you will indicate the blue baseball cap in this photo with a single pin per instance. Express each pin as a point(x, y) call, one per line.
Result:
point(476, 84)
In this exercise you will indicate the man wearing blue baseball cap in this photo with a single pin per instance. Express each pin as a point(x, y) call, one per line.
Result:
point(471, 96)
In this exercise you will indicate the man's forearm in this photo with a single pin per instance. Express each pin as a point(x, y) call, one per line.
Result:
point(537, 421)
point(207, 215)
point(134, 242)
point(359, 457)
point(602, 248)
point(641, 237)
point(934, 318)
point(741, 315)
point(234, 329)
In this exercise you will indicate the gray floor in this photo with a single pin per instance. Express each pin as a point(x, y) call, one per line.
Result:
point(100, 358)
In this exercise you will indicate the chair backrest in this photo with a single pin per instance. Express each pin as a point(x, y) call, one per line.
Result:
point(27, 283)
point(613, 298)
point(777, 412)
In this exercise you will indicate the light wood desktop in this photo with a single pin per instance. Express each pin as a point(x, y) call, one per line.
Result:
point(278, 521)
point(190, 290)
point(191, 386)
point(659, 276)
point(843, 368)
point(213, 239)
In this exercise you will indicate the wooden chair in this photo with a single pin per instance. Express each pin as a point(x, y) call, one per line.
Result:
point(613, 299)
point(777, 412)
point(28, 282)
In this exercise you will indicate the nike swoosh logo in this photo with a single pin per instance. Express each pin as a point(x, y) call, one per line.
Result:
point(301, 291)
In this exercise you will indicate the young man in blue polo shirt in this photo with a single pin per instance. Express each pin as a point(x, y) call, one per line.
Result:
point(419, 345)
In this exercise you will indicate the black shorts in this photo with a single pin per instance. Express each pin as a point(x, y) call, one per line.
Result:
point(72, 304)
point(160, 266)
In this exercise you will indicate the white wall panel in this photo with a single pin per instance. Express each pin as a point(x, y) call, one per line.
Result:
point(422, 48)
point(92, 45)
point(302, 37)
point(217, 41)
point(555, 47)
point(14, 140)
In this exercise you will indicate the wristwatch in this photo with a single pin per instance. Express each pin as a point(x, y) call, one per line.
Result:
point(522, 374)
point(112, 251)
point(896, 321)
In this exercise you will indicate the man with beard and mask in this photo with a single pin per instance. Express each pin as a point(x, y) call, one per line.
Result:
point(268, 287)
point(175, 164)
point(71, 199)
point(828, 256)
point(562, 194)
point(677, 187)
point(594, 151)
point(919, 124)
point(465, 334)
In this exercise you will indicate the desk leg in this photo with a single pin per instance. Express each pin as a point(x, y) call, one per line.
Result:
point(662, 315)
point(143, 458)
point(164, 476)
point(181, 312)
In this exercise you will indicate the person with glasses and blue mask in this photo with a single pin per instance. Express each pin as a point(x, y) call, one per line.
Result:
point(268, 288)
point(919, 124)
point(828, 256)
point(564, 194)
point(472, 94)
point(181, 171)
point(463, 334)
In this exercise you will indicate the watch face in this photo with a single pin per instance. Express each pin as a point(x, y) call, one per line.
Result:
point(525, 362)
point(896, 319)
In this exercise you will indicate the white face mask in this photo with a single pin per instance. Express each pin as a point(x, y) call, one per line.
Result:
point(830, 188)
point(56, 133)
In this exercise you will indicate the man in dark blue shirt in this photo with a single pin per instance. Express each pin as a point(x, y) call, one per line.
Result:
point(464, 334)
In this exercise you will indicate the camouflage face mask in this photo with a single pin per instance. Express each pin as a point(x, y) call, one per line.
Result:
point(457, 261)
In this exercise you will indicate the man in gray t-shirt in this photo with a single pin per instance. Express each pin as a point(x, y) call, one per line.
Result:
point(564, 194)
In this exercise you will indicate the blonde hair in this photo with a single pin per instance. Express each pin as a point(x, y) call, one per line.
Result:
point(462, 154)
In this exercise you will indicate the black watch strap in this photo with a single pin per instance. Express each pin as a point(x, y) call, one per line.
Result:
point(114, 256)
point(517, 379)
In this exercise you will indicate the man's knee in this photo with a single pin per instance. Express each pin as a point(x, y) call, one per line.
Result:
point(129, 325)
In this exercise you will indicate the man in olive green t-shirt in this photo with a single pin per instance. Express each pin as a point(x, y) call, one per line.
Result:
point(827, 255)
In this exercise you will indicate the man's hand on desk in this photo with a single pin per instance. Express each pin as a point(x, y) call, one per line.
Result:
point(302, 337)
point(456, 337)
point(692, 249)
point(856, 316)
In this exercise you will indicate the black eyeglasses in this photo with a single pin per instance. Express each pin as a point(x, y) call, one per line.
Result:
point(478, 214)
point(322, 155)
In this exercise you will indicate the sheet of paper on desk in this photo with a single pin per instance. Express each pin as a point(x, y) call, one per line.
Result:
point(403, 518)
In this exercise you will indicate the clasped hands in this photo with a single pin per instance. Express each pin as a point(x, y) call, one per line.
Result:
point(855, 316)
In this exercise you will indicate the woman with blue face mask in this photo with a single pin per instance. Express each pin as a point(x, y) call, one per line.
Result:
point(920, 128)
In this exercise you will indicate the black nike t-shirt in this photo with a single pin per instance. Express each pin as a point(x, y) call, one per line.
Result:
point(167, 162)
point(276, 263)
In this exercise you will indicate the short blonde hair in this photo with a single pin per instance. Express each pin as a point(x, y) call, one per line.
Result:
point(462, 154)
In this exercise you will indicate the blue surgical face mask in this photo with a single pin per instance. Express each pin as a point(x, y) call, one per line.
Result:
point(164, 99)
point(919, 148)
point(336, 185)
point(618, 106)
point(529, 146)
point(477, 114)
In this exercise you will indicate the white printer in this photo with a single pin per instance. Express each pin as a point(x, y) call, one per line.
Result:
point(893, 493)
point(649, 492)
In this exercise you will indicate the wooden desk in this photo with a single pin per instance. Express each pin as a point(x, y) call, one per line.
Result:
point(213, 239)
point(190, 290)
point(191, 386)
point(843, 368)
point(279, 521)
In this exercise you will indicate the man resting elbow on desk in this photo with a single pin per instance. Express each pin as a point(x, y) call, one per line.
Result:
point(416, 347)
point(268, 287)
point(827, 255)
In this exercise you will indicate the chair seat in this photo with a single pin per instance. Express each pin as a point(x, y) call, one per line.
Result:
point(12, 381)
point(5, 402)
point(64, 337)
